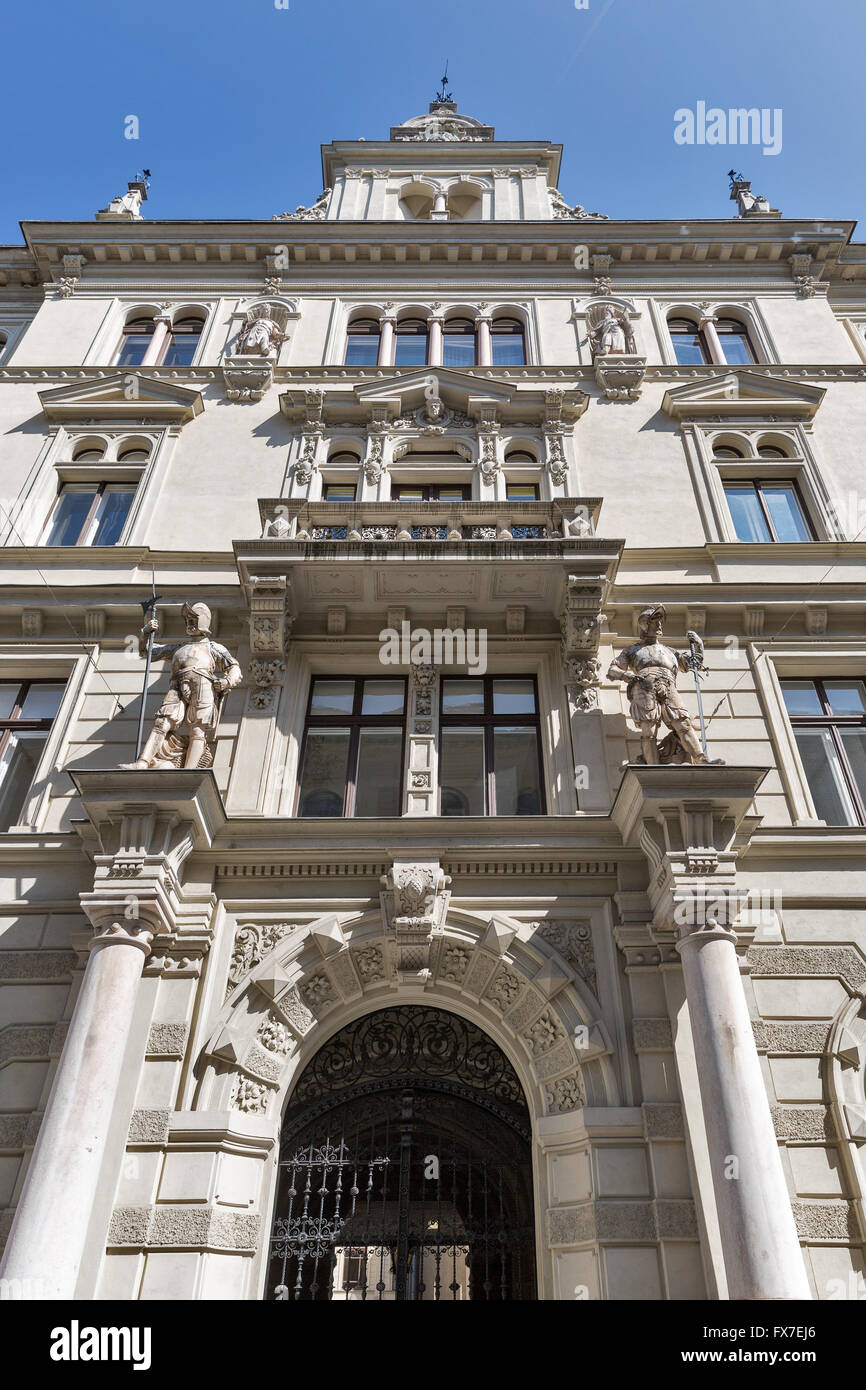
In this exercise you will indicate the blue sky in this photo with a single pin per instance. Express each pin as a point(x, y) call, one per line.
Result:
point(234, 97)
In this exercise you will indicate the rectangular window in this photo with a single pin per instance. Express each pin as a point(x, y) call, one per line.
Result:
point(491, 747)
point(339, 492)
point(458, 350)
point(88, 514)
point(828, 718)
point(431, 492)
point(521, 492)
point(27, 711)
point(352, 761)
point(767, 511)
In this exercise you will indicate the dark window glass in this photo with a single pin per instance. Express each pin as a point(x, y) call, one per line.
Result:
point(410, 343)
point(829, 722)
point(727, 451)
point(27, 711)
point(135, 342)
point(352, 762)
point(769, 451)
point(767, 511)
point(458, 343)
point(431, 492)
point(507, 343)
point(734, 338)
point(491, 753)
point(89, 514)
point(183, 343)
point(690, 349)
point(362, 343)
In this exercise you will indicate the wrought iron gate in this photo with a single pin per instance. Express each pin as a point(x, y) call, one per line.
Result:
point(405, 1169)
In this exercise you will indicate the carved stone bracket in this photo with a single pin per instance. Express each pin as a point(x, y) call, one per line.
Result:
point(414, 897)
point(269, 628)
point(620, 375)
point(247, 378)
point(801, 269)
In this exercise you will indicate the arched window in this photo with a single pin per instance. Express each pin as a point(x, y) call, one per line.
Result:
point(135, 340)
point(88, 453)
point(410, 343)
point(133, 453)
point(736, 345)
point(770, 451)
point(183, 342)
point(727, 451)
point(690, 348)
point(362, 343)
point(458, 343)
point(507, 343)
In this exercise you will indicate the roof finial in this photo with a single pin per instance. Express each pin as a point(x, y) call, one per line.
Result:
point(444, 95)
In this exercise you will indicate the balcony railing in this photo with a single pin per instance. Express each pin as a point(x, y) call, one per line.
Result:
point(402, 521)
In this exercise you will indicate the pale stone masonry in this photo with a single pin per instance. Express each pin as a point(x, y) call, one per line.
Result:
point(436, 396)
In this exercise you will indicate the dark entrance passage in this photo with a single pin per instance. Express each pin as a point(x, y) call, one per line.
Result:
point(405, 1168)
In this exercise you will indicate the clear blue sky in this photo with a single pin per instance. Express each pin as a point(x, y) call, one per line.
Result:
point(234, 97)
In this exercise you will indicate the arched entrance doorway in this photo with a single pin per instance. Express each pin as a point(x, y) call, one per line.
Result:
point(405, 1168)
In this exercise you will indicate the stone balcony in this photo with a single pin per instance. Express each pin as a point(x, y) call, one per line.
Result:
point(404, 521)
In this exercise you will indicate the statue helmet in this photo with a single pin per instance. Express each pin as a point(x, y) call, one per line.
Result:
point(655, 610)
point(201, 614)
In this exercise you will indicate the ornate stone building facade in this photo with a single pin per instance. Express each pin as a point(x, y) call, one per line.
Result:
point(424, 953)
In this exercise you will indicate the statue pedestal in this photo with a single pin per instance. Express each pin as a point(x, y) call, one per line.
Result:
point(620, 375)
point(692, 823)
point(247, 377)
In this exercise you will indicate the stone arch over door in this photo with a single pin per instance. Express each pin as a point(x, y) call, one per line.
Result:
point(294, 986)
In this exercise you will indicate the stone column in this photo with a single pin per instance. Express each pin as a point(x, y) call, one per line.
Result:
point(691, 823)
point(47, 1239)
point(485, 347)
point(386, 341)
point(708, 328)
point(157, 343)
point(434, 341)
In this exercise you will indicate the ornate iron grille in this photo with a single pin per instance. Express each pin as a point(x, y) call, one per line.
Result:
point(406, 1169)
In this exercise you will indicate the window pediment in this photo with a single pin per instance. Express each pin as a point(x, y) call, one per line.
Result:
point(743, 395)
point(113, 398)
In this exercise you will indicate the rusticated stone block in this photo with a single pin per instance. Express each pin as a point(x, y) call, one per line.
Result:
point(826, 1221)
point(129, 1226)
point(652, 1035)
point(676, 1219)
point(844, 961)
point(663, 1121)
point(803, 1122)
point(571, 1225)
point(13, 1130)
point(149, 1126)
point(267, 1065)
point(36, 965)
point(167, 1040)
point(23, 1041)
point(791, 1037)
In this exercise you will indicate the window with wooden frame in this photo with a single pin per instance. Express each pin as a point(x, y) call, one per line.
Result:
point(507, 343)
point(362, 343)
point(521, 492)
point(828, 719)
point(689, 344)
point(490, 757)
point(88, 514)
point(736, 344)
point(27, 711)
point(431, 492)
point(767, 510)
point(183, 342)
point(135, 341)
point(410, 343)
point(458, 343)
point(352, 756)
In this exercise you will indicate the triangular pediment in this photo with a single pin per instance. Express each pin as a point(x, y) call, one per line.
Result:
point(743, 395)
point(458, 389)
point(123, 395)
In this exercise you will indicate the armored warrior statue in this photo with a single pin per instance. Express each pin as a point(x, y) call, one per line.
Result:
point(202, 671)
point(650, 668)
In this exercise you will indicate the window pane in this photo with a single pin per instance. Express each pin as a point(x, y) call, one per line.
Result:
point(746, 514)
point(786, 512)
point(513, 697)
point(380, 769)
point(181, 350)
point(17, 771)
point(362, 351)
point(462, 697)
point(340, 492)
point(854, 743)
point(515, 767)
point(736, 349)
point(42, 701)
point(69, 516)
point(409, 494)
point(132, 350)
point(521, 492)
point(846, 697)
point(410, 350)
point(507, 350)
point(821, 764)
point(111, 515)
point(323, 783)
point(332, 697)
point(461, 772)
point(8, 696)
point(383, 697)
point(688, 349)
point(458, 350)
point(452, 494)
point(801, 697)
